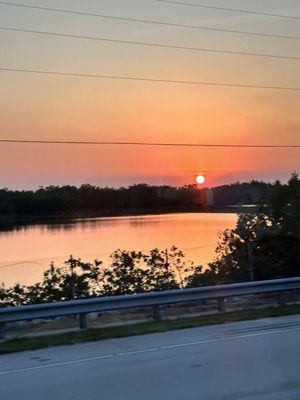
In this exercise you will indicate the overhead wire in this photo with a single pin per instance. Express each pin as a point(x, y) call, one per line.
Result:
point(143, 143)
point(145, 79)
point(236, 10)
point(147, 21)
point(8, 69)
point(159, 45)
point(16, 264)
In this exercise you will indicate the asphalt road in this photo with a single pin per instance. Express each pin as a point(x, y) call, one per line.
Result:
point(247, 360)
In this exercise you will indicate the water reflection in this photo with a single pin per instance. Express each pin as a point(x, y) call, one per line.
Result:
point(27, 250)
point(8, 225)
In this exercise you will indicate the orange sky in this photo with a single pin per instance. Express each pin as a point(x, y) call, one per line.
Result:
point(43, 107)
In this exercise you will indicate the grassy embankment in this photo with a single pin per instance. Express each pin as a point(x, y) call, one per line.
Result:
point(34, 343)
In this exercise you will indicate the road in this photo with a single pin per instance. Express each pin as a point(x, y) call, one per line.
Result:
point(246, 360)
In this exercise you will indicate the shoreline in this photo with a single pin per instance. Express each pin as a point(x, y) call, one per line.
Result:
point(10, 222)
point(36, 219)
point(127, 212)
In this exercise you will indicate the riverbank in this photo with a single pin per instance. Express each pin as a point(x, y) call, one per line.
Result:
point(11, 221)
point(15, 220)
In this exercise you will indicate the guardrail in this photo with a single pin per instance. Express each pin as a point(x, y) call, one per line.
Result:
point(154, 299)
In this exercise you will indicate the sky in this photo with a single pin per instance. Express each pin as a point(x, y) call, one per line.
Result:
point(76, 108)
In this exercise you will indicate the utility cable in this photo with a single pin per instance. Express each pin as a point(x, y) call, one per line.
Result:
point(243, 11)
point(152, 22)
point(144, 79)
point(156, 144)
point(130, 42)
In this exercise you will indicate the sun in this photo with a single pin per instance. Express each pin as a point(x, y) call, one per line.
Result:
point(200, 179)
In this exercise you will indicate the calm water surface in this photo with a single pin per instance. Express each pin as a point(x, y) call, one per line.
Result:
point(26, 252)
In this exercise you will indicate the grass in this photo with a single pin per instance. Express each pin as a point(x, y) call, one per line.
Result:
point(34, 343)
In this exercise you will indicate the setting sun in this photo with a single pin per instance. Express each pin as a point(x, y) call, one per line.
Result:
point(200, 179)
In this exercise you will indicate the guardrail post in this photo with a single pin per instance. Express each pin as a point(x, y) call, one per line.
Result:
point(281, 299)
point(153, 301)
point(2, 331)
point(222, 304)
point(156, 313)
point(82, 322)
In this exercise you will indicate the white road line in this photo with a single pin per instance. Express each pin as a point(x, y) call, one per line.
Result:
point(149, 350)
point(57, 364)
point(222, 339)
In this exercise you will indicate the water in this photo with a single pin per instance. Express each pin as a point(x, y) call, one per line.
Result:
point(27, 251)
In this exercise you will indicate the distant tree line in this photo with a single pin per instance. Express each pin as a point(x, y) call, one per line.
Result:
point(55, 200)
point(264, 245)
point(253, 192)
point(88, 198)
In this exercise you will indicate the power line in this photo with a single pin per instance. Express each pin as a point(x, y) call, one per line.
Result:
point(18, 264)
point(146, 21)
point(143, 79)
point(199, 247)
point(156, 144)
point(227, 9)
point(108, 40)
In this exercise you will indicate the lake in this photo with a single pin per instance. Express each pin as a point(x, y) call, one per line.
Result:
point(27, 251)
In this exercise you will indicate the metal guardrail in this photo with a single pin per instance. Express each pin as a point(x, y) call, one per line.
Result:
point(154, 299)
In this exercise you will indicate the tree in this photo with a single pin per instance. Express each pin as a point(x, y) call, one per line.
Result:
point(3, 296)
point(265, 245)
point(76, 280)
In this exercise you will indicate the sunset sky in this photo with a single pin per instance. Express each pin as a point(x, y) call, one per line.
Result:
point(72, 108)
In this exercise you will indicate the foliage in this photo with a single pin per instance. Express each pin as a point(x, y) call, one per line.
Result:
point(253, 192)
point(88, 198)
point(128, 272)
point(262, 246)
